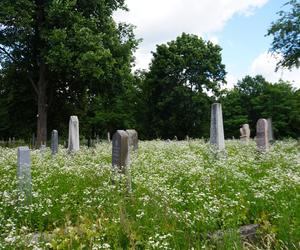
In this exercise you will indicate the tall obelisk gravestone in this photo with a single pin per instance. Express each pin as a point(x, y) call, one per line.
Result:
point(54, 142)
point(24, 172)
point(73, 142)
point(262, 140)
point(216, 127)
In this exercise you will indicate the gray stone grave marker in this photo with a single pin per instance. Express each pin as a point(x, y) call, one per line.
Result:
point(262, 141)
point(133, 139)
point(245, 133)
point(120, 151)
point(43, 148)
point(73, 142)
point(24, 172)
point(216, 127)
point(54, 142)
point(108, 137)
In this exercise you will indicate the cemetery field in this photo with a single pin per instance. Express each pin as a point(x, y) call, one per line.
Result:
point(183, 197)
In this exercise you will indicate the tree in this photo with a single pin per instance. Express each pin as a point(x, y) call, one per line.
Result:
point(254, 98)
point(175, 88)
point(286, 35)
point(66, 49)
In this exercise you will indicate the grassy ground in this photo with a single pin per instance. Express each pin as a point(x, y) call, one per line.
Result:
point(181, 193)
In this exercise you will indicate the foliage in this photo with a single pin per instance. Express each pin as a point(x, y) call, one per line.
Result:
point(254, 98)
point(286, 35)
point(66, 53)
point(181, 193)
point(175, 100)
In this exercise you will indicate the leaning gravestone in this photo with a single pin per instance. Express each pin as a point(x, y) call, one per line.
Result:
point(24, 172)
point(133, 139)
point(216, 127)
point(120, 151)
point(245, 133)
point(270, 130)
point(262, 141)
point(73, 143)
point(54, 142)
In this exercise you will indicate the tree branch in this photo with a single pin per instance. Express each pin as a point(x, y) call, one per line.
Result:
point(9, 55)
point(33, 84)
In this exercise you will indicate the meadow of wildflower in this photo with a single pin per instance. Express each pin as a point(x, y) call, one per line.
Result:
point(181, 193)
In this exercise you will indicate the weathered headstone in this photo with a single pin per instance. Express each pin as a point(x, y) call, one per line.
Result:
point(262, 141)
point(43, 148)
point(120, 151)
point(54, 142)
point(245, 133)
point(133, 139)
point(216, 127)
point(24, 172)
point(73, 143)
point(270, 130)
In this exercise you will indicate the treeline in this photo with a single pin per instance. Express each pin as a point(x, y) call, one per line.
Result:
point(62, 58)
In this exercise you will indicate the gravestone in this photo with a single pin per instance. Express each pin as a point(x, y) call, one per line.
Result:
point(108, 137)
point(216, 127)
point(24, 172)
point(245, 133)
point(73, 142)
point(175, 138)
point(43, 148)
point(54, 142)
point(270, 130)
point(133, 139)
point(120, 151)
point(262, 141)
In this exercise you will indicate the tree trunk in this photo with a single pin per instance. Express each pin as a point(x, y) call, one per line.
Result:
point(42, 107)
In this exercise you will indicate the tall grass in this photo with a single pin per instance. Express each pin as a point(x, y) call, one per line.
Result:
point(181, 194)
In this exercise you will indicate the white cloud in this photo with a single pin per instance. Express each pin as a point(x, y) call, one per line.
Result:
point(159, 21)
point(265, 65)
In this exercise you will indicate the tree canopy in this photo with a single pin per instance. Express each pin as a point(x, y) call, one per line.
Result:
point(286, 35)
point(175, 88)
point(65, 52)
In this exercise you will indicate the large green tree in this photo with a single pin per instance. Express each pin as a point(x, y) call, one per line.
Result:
point(286, 35)
point(66, 50)
point(175, 88)
point(254, 98)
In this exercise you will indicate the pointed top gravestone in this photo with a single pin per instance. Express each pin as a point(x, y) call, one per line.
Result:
point(133, 140)
point(54, 142)
point(120, 151)
point(262, 141)
point(73, 142)
point(24, 172)
point(245, 133)
point(270, 130)
point(216, 127)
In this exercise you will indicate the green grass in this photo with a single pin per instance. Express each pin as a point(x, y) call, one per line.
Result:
point(181, 193)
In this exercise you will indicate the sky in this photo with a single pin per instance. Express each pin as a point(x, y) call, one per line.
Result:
point(238, 26)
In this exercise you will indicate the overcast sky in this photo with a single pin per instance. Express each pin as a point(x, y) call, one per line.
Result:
point(238, 26)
